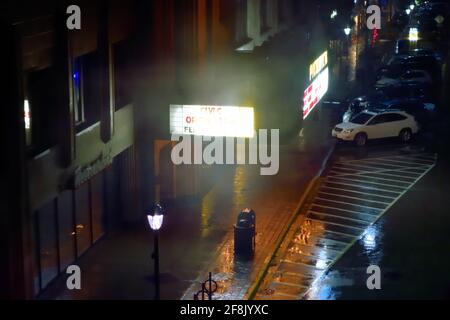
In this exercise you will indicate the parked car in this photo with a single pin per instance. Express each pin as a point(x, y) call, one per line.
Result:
point(401, 63)
point(423, 112)
point(370, 125)
point(420, 52)
point(408, 77)
point(388, 96)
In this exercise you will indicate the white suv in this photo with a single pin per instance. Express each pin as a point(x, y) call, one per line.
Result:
point(375, 125)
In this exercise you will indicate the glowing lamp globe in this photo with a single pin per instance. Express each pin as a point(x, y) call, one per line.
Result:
point(155, 219)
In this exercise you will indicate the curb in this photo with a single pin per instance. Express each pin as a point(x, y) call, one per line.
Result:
point(251, 292)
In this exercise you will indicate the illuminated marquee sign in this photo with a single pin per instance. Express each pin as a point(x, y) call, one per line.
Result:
point(318, 74)
point(318, 65)
point(315, 92)
point(212, 121)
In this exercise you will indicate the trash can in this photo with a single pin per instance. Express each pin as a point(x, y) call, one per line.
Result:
point(244, 232)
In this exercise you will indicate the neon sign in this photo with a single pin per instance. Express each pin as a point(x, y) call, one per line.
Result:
point(315, 92)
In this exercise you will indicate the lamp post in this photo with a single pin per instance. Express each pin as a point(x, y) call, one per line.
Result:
point(155, 220)
point(347, 32)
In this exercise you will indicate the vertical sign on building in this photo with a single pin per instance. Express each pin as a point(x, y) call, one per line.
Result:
point(318, 77)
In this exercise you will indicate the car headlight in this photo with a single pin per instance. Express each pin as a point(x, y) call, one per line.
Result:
point(348, 131)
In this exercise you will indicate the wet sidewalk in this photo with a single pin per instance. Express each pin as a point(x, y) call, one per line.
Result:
point(276, 203)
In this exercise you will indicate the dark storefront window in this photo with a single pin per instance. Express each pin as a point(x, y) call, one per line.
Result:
point(86, 90)
point(97, 207)
point(66, 223)
point(241, 22)
point(209, 27)
point(83, 225)
point(65, 228)
point(36, 255)
point(40, 110)
point(282, 11)
point(48, 252)
point(122, 75)
point(263, 14)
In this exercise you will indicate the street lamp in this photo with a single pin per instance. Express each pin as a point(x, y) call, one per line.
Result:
point(333, 14)
point(155, 220)
point(347, 31)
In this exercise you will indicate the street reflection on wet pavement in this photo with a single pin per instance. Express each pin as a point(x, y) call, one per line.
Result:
point(345, 209)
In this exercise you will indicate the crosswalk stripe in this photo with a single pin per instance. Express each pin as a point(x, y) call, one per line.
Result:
point(367, 173)
point(328, 249)
point(422, 159)
point(362, 187)
point(341, 233)
point(290, 284)
point(363, 166)
point(396, 167)
point(348, 203)
point(341, 217)
point(409, 163)
point(376, 158)
point(335, 224)
point(284, 295)
point(368, 194)
point(365, 181)
point(298, 263)
point(340, 209)
point(309, 256)
point(392, 175)
point(400, 161)
point(359, 199)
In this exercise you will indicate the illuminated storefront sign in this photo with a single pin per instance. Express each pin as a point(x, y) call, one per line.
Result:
point(318, 77)
point(212, 121)
point(315, 92)
point(318, 65)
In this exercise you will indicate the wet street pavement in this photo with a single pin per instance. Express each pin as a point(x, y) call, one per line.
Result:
point(410, 245)
point(349, 199)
